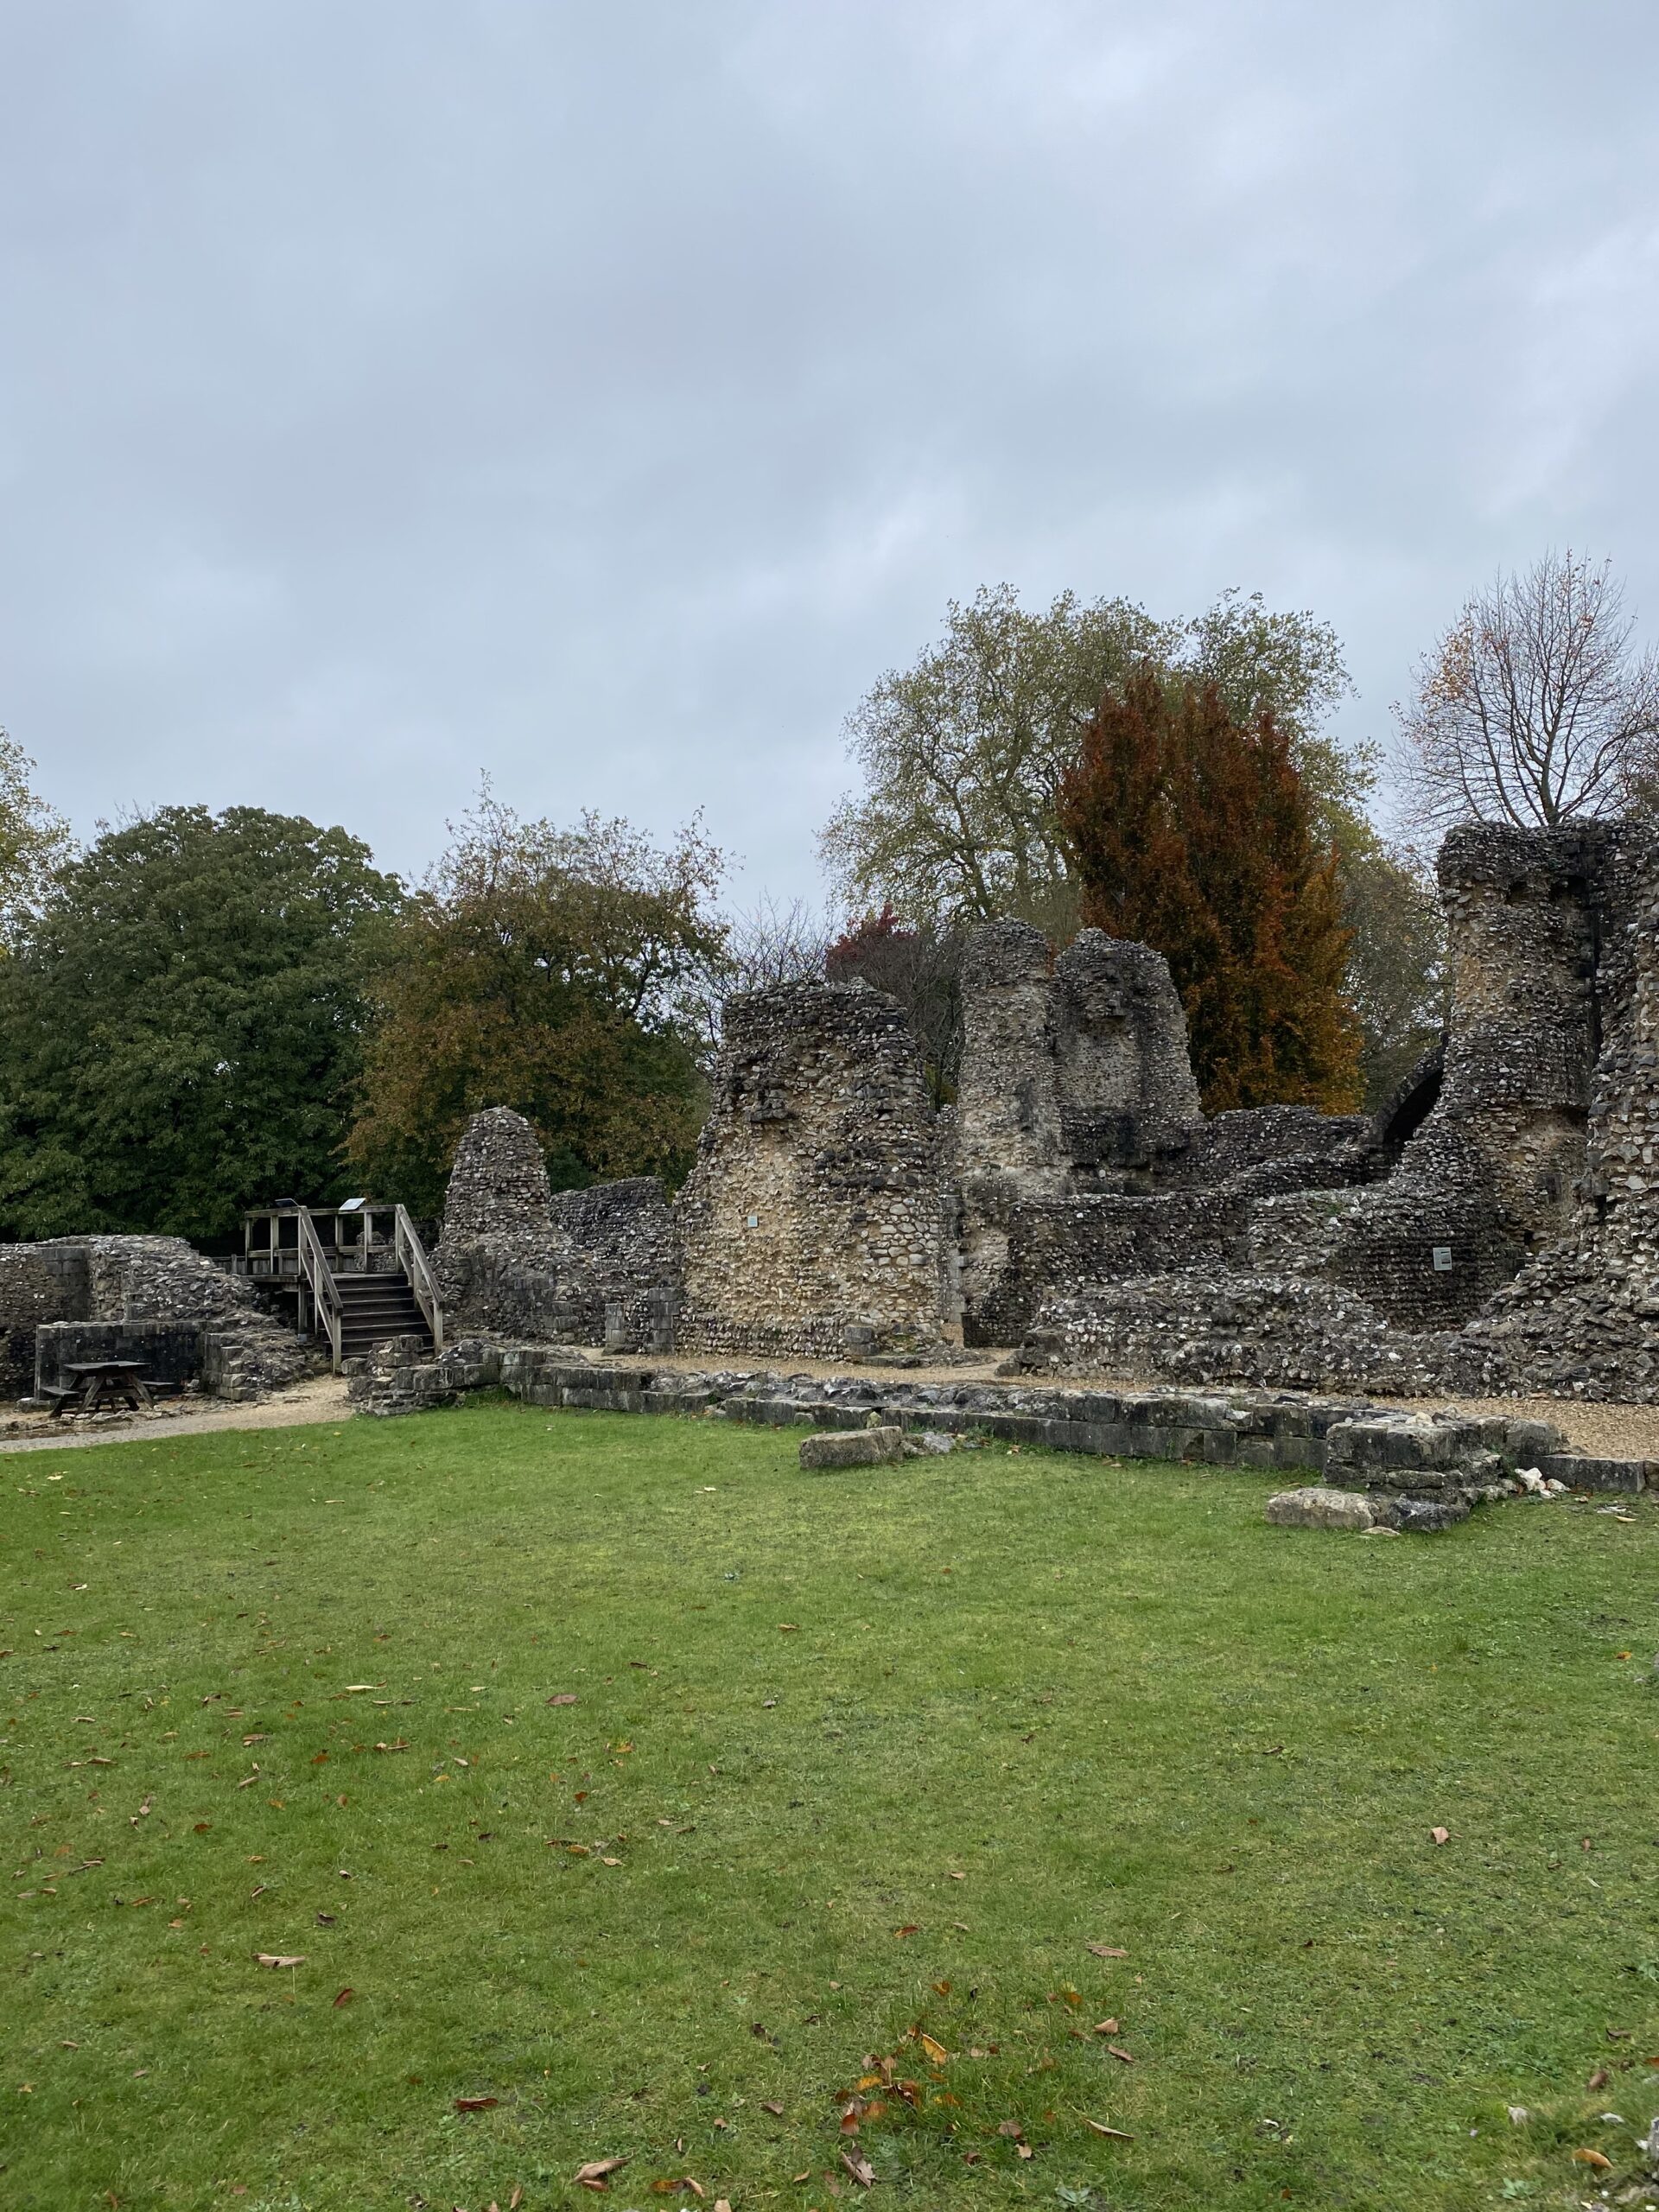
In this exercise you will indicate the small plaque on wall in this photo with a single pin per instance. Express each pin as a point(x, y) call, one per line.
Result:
point(1442, 1255)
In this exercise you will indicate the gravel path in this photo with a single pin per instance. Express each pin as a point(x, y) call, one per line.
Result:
point(322, 1398)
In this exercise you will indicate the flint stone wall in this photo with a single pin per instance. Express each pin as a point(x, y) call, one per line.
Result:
point(169, 1351)
point(39, 1283)
point(1285, 1331)
point(1582, 1316)
point(155, 1280)
point(1074, 1077)
point(1492, 1173)
point(566, 1267)
point(816, 1206)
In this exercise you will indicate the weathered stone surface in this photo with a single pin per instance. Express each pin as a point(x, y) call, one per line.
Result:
point(1317, 1507)
point(498, 1187)
point(168, 1352)
point(1427, 1517)
point(815, 1204)
point(1495, 1229)
point(853, 1447)
point(596, 1266)
point(1074, 1073)
point(240, 1350)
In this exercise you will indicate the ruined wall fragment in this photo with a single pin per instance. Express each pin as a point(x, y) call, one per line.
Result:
point(571, 1267)
point(813, 1219)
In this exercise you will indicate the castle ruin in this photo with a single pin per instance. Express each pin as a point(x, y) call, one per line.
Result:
point(1494, 1228)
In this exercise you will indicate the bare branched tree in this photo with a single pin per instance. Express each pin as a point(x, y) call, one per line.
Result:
point(770, 944)
point(1535, 706)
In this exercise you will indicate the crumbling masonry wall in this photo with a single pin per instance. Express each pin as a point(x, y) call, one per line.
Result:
point(99, 1281)
point(571, 1267)
point(1490, 1175)
point(1075, 1077)
point(1582, 1316)
point(813, 1220)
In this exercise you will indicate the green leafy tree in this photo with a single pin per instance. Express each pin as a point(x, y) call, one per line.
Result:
point(180, 1024)
point(962, 756)
point(34, 840)
point(564, 973)
point(1190, 831)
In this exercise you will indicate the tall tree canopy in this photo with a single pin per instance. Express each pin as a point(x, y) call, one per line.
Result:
point(181, 1023)
point(962, 754)
point(34, 839)
point(562, 972)
point(1191, 831)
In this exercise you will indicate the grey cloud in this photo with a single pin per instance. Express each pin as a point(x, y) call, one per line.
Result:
point(603, 397)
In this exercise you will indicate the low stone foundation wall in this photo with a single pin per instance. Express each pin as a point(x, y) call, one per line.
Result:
point(169, 1351)
point(1351, 1441)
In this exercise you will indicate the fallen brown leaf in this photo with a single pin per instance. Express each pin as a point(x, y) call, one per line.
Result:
point(564, 1697)
point(345, 1997)
point(1106, 1951)
point(1598, 2079)
point(859, 2166)
point(475, 2104)
point(279, 1959)
point(1024, 2151)
point(936, 2052)
point(1117, 2134)
point(1114, 2050)
point(1010, 2128)
point(1440, 1835)
point(911, 1927)
point(787, 1627)
point(1595, 2159)
point(516, 2198)
point(597, 2169)
point(1106, 2027)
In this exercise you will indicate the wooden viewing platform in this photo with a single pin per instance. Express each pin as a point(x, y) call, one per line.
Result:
point(358, 1272)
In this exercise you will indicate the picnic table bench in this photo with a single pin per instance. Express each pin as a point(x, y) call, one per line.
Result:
point(97, 1378)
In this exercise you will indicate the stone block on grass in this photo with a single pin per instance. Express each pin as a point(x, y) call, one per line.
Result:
point(1316, 1507)
point(852, 1447)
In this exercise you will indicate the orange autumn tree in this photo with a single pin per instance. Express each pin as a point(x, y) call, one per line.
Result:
point(1190, 831)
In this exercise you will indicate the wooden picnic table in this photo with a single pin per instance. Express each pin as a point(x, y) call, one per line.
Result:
point(97, 1377)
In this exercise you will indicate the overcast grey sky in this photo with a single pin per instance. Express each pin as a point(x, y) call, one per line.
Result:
point(603, 396)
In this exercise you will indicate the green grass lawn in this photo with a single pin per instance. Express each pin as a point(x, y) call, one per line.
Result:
point(854, 1759)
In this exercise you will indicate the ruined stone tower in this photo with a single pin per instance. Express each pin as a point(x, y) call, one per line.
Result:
point(812, 1222)
point(1074, 1075)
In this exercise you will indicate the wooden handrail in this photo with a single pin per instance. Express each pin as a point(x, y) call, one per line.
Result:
point(411, 1257)
point(318, 1278)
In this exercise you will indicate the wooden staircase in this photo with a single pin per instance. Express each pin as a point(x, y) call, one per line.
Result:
point(358, 1310)
point(373, 1307)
